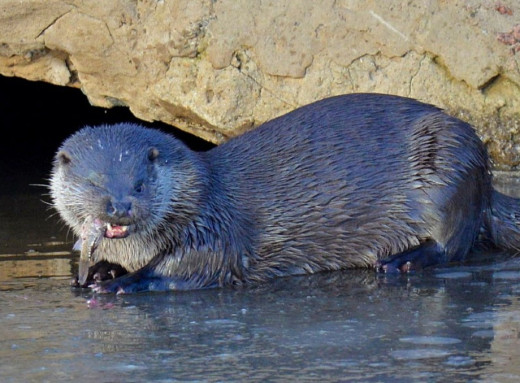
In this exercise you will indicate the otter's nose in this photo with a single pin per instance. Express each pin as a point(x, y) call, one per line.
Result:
point(119, 209)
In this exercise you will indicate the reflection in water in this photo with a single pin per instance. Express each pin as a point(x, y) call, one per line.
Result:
point(335, 326)
point(457, 323)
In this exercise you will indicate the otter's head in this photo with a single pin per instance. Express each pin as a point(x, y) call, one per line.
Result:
point(128, 177)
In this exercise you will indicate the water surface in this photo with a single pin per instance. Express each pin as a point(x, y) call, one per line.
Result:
point(457, 324)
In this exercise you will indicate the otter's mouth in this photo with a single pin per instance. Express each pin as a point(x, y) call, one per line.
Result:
point(116, 231)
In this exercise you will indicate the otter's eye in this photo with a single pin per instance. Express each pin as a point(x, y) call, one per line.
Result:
point(153, 153)
point(139, 187)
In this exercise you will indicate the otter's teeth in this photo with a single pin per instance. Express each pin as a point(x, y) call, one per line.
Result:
point(116, 231)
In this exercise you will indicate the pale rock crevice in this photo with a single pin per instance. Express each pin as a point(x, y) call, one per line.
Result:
point(219, 68)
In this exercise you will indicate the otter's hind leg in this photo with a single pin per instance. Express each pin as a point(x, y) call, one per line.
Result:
point(453, 223)
point(427, 254)
point(451, 178)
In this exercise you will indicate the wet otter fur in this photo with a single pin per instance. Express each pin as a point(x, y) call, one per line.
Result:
point(360, 180)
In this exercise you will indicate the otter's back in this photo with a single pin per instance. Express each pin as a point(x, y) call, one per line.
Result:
point(351, 178)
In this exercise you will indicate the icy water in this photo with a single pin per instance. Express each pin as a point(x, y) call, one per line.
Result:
point(450, 324)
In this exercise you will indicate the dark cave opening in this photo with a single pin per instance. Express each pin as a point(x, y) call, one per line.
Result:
point(36, 117)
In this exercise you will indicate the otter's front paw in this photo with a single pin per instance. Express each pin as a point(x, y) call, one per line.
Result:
point(106, 287)
point(101, 271)
point(142, 280)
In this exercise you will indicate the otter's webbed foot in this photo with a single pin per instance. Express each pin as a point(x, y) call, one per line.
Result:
point(101, 271)
point(394, 267)
point(428, 254)
point(145, 279)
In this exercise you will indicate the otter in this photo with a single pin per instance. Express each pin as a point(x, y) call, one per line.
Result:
point(352, 181)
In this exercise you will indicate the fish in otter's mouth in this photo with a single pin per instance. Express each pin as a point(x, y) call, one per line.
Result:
point(92, 231)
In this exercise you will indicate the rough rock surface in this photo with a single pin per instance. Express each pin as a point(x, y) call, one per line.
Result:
point(217, 68)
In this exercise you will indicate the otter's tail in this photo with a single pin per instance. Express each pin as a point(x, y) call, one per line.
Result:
point(503, 221)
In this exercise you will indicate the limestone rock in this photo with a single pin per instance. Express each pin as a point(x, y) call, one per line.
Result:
point(218, 68)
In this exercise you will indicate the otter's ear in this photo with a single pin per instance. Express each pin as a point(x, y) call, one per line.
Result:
point(63, 157)
point(153, 153)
